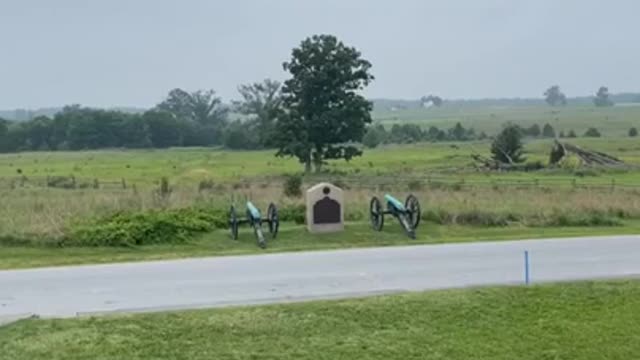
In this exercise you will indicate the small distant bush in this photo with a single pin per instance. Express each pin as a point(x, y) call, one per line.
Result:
point(565, 219)
point(534, 166)
point(205, 185)
point(415, 185)
point(592, 132)
point(633, 132)
point(164, 190)
point(61, 182)
point(293, 186)
point(548, 131)
point(572, 134)
point(372, 138)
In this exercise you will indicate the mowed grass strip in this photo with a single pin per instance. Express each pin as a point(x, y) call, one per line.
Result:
point(589, 320)
point(292, 238)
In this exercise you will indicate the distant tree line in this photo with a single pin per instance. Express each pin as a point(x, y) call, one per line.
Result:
point(182, 119)
point(412, 133)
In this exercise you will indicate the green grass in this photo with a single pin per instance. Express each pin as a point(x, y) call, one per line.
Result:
point(614, 121)
point(291, 238)
point(586, 321)
point(188, 166)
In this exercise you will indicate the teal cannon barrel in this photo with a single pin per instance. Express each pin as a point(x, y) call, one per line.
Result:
point(394, 203)
point(253, 211)
point(407, 214)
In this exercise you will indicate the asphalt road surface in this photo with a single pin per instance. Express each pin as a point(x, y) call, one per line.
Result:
point(287, 277)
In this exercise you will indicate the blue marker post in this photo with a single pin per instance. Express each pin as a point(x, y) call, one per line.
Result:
point(527, 278)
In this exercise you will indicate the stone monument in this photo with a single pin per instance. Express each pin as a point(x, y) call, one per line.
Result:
point(325, 210)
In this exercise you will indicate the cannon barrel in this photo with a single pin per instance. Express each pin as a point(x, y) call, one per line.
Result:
point(394, 202)
point(253, 211)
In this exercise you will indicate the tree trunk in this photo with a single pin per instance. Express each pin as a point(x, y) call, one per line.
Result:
point(307, 166)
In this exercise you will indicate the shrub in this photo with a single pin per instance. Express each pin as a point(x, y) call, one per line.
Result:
point(61, 182)
point(572, 134)
point(205, 185)
point(633, 132)
point(592, 132)
point(293, 186)
point(533, 166)
point(415, 185)
point(372, 138)
point(144, 228)
point(548, 131)
point(292, 213)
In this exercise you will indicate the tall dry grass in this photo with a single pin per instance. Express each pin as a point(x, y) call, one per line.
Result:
point(47, 212)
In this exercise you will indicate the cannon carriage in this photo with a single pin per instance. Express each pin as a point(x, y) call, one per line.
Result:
point(255, 220)
point(407, 214)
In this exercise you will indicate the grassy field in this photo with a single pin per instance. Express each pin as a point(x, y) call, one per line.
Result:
point(188, 166)
point(291, 238)
point(454, 194)
point(614, 121)
point(589, 320)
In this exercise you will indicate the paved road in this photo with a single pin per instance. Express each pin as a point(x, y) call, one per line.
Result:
point(211, 282)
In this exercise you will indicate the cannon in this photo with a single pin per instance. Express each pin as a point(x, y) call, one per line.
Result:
point(254, 219)
point(408, 214)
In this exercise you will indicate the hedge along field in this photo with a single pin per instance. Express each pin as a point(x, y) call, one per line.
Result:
point(189, 166)
point(610, 121)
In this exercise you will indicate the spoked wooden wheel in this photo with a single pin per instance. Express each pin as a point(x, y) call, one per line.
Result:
point(413, 209)
point(376, 214)
point(273, 220)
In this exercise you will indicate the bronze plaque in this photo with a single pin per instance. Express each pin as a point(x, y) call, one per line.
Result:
point(326, 211)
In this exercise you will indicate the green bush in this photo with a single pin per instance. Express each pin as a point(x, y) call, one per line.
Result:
point(61, 182)
point(564, 219)
point(144, 228)
point(205, 185)
point(293, 186)
point(292, 213)
point(415, 185)
point(592, 132)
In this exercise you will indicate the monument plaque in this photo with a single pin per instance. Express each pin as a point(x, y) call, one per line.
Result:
point(325, 210)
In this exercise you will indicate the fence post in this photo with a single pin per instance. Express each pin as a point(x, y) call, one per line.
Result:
point(527, 275)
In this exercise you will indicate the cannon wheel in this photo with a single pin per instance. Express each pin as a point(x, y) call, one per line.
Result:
point(233, 223)
point(376, 214)
point(413, 207)
point(273, 220)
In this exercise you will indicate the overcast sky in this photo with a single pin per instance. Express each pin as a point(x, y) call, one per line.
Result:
point(131, 52)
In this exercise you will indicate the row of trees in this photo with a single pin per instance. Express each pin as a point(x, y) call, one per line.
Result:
point(317, 114)
point(182, 119)
point(412, 133)
point(555, 97)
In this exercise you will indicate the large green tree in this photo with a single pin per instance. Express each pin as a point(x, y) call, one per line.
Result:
point(324, 111)
point(602, 97)
point(262, 101)
point(202, 108)
point(554, 97)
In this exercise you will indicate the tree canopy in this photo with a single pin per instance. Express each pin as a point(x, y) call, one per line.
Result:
point(602, 97)
point(324, 112)
point(262, 101)
point(507, 146)
point(554, 97)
